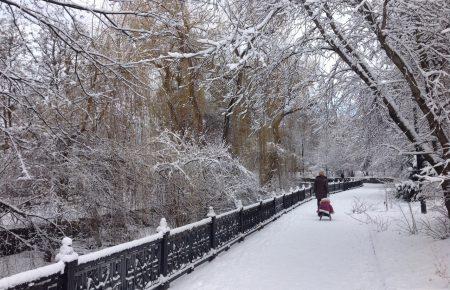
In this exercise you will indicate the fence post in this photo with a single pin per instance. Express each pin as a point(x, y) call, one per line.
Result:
point(284, 201)
point(164, 229)
point(70, 258)
point(274, 206)
point(212, 234)
point(241, 222)
point(261, 214)
point(123, 271)
point(164, 254)
point(190, 251)
point(69, 275)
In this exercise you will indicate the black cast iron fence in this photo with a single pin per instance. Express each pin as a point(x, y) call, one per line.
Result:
point(155, 261)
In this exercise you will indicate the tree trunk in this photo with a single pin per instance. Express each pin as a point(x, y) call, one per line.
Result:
point(446, 188)
point(264, 171)
point(227, 121)
point(230, 109)
point(354, 60)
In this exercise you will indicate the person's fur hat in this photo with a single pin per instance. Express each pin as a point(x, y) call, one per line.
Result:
point(325, 200)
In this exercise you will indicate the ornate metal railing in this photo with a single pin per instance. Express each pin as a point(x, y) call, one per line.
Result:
point(155, 261)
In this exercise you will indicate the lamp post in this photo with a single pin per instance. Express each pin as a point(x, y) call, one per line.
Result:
point(417, 168)
point(415, 177)
point(423, 204)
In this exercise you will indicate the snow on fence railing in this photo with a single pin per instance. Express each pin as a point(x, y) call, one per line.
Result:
point(155, 261)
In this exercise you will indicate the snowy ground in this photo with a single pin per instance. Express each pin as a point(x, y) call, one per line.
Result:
point(300, 252)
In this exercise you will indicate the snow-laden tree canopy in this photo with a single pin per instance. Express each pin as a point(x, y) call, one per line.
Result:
point(169, 107)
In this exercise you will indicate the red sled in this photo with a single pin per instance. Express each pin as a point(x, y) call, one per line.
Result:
point(325, 208)
point(323, 213)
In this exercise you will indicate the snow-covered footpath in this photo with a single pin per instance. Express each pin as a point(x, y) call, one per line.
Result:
point(300, 252)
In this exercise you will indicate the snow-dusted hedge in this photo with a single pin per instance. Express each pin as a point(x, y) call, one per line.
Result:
point(191, 176)
point(119, 190)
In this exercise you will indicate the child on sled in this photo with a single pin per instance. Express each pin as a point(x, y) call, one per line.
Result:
point(325, 208)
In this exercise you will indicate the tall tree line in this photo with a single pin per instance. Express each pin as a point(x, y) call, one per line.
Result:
point(123, 112)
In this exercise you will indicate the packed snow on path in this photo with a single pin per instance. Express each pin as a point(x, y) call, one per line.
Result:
point(300, 252)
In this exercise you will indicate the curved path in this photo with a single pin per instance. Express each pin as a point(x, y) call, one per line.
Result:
point(300, 252)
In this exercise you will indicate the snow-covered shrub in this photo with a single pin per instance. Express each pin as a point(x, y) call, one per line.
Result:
point(111, 192)
point(360, 206)
point(191, 176)
point(381, 222)
point(408, 221)
point(407, 190)
point(438, 226)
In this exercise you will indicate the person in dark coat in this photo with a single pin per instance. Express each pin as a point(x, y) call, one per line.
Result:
point(320, 187)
